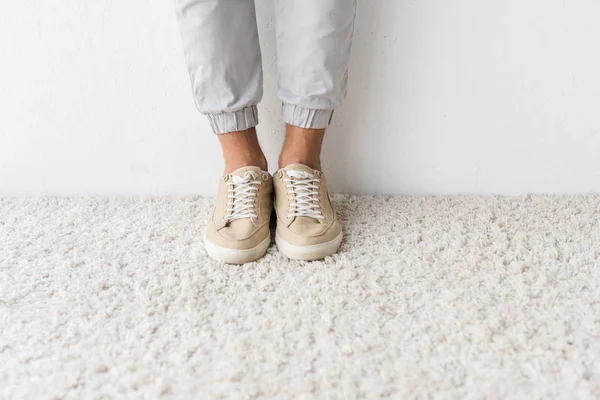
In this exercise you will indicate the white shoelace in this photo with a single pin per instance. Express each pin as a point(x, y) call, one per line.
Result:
point(305, 202)
point(242, 192)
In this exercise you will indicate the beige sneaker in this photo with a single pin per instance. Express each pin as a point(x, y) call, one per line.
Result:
point(307, 227)
point(238, 231)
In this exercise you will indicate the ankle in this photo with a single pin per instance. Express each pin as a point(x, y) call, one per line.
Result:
point(242, 149)
point(308, 160)
point(302, 146)
point(237, 162)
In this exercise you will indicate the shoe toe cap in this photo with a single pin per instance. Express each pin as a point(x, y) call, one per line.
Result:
point(238, 234)
point(308, 231)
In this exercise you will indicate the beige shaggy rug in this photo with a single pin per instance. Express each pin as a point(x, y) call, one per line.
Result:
point(430, 297)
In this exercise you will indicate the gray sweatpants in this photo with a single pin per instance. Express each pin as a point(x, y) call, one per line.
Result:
point(220, 42)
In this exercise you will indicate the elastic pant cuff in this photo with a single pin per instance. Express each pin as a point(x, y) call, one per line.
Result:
point(234, 121)
point(306, 117)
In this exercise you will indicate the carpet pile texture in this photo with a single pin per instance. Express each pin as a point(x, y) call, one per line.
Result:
point(429, 297)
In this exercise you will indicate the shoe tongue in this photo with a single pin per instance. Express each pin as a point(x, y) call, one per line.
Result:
point(242, 171)
point(242, 174)
point(300, 168)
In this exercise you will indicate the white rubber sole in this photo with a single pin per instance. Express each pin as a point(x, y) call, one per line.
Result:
point(308, 253)
point(235, 256)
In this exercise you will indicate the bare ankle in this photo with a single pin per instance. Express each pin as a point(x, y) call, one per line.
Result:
point(302, 146)
point(288, 159)
point(232, 165)
point(242, 149)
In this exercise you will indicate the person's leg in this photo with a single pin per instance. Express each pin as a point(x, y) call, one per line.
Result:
point(222, 52)
point(314, 38)
point(220, 42)
point(313, 43)
point(302, 146)
point(241, 149)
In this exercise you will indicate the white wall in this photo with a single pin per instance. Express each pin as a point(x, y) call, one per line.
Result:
point(464, 96)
